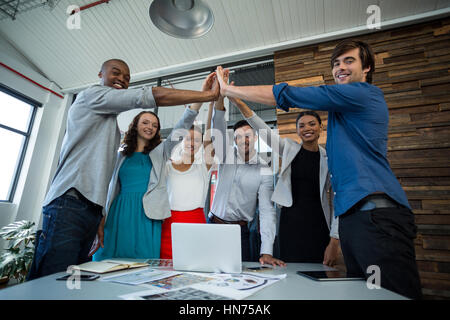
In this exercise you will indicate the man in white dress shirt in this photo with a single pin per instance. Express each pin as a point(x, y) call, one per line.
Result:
point(244, 183)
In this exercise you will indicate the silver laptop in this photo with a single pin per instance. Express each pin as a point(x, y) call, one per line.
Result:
point(205, 247)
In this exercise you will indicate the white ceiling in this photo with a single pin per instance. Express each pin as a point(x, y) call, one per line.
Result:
point(243, 29)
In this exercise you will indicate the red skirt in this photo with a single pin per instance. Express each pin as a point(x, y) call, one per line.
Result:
point(192, 216)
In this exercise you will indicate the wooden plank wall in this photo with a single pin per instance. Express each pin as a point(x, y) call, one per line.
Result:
point(413, 70)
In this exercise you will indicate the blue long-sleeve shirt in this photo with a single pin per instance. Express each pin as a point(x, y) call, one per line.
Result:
point(357, 132)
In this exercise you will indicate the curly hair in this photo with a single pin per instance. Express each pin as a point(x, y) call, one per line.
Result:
point(130, 138)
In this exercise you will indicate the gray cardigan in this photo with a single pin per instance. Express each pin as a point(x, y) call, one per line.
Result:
point(92, 138)
point(155, 200)
point(288, 148)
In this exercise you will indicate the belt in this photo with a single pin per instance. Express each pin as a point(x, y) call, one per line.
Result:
point(75, 193)
point(215, 219)
point(376, 201)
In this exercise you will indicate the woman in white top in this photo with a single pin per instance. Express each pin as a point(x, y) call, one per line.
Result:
point(187, 175)
point(187, 182)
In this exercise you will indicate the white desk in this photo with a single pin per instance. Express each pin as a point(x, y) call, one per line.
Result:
point(293, 287)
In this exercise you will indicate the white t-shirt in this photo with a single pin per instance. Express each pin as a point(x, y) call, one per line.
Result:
point(187, 190)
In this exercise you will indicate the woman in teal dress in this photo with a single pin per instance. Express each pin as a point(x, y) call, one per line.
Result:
point(135, 206)
point(128, 232)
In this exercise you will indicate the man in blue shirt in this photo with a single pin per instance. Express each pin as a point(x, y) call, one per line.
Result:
point(376, 225)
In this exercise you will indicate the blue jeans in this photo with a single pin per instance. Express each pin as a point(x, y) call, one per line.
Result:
point(69, 227)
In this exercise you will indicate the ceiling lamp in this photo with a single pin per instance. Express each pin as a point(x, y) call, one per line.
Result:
point(182, 18)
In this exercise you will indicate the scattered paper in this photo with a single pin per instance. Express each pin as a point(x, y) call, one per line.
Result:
point(187, 293)
point(160, 263)
point(179, 281)
point(238, 286)
point(188, 286)
point(140, 277)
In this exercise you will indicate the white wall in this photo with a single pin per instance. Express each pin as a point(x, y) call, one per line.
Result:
point(45, 141)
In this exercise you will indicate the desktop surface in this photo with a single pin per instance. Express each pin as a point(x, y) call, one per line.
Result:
point(293, 287)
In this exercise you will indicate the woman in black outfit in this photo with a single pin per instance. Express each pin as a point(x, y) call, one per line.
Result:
point(308, 229)
point(304, 234)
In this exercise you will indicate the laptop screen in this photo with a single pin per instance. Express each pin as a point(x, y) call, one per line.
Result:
point(204, 247)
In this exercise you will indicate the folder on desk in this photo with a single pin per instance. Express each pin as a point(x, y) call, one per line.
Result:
point(106, 266)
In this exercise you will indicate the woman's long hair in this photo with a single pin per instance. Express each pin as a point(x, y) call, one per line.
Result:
point(130, 138)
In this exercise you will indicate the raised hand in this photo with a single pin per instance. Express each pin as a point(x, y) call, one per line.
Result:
point(209, 81)
point(225, 77)
point(261, 94)
point(219, 105)
point(209, 84)
point(215, 88)
point(222, 77)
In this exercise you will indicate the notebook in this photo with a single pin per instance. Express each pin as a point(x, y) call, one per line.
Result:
point(202, 247)
point(105, 266)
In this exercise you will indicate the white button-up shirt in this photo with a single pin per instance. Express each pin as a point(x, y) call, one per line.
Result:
point(242, 186)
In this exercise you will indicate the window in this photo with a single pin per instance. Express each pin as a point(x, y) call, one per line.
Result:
point(17, 113)
point(262, 73)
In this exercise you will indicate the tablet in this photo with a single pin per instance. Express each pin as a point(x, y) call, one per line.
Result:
point(327, 275)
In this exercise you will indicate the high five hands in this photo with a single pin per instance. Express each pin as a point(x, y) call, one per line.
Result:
point(222, 77)
point(260, 93)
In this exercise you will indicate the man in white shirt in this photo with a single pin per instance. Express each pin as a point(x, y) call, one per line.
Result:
point(244, 182)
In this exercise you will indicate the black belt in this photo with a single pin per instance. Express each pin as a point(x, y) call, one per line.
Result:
point(376, 201)
point(77, 195)
point(216, 219)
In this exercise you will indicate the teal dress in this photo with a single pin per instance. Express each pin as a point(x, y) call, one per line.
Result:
point(128, 232)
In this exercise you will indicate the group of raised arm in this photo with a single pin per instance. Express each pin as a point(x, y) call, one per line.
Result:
point(90, 188)
point(343, 197)
point(148, 190)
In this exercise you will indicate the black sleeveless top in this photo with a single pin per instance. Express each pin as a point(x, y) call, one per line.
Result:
point(304, 233)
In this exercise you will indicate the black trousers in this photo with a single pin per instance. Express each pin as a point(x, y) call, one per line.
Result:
point(384, 238)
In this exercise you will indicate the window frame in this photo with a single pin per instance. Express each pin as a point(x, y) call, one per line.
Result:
point(17, 171)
